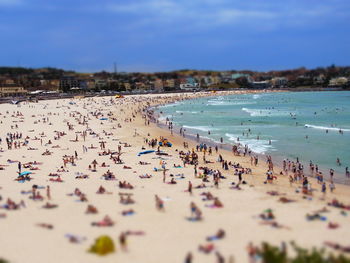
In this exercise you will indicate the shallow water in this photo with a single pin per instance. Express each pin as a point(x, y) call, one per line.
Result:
point(289, 124)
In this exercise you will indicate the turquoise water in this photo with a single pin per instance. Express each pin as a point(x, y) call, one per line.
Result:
point(288, 124)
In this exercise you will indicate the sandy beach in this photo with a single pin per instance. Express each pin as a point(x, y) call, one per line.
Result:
point(57, 141)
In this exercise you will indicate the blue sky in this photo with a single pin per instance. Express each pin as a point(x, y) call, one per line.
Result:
point(163, 35)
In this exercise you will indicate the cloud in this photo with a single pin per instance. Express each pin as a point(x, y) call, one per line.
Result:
point(214, 13)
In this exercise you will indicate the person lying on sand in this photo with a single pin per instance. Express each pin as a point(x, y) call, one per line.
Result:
point(11, 205)
point(172, 181)
point(337, 246)
point(49, 206)
point(83, 176)
point(332, 225)
point(206, 248)
point(267, 215)
point(108, 176)
point(23, 178)
point(338, 204)
point(91, 210)
point(57, 180)
point(200, 186)
point(285, 200)
point(47, 152)
point(219, 235)
point(105, 222)
point(125, 185)
point(36, 196)
point(104, 165)
point(274, 193)
point(128, 212)
point(101, 190)
point(32, 149)
point(62, 170)
point(207, 196)
point(145, 176)
point(274, 224)
point(75, 239)
point(44, 225)
point(126, 199)
point(217, 203)
point(53, 174)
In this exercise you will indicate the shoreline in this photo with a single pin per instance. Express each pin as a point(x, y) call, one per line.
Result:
point(228, 146)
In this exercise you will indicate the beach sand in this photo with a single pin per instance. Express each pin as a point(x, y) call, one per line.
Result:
point(167, 236)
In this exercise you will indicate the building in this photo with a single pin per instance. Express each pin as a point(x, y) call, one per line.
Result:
point(338, 82)
point(279, 82)
point(189, 86)
point(239, 75)
point(127, 86)
point(12, 90)
point(170, 84)
point(320, 79)
point(192, 82)
point(69, 82)
point(158, 85)
point(259, 84)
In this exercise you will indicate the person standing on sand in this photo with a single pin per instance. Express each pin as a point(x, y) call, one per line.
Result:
point(190, 187)
point(324, 188)
point(331, 186)
point(159, 203)
point(189, 258)
point(48, 192)
point(122, 241)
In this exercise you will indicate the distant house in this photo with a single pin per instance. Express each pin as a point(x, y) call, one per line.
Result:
point(279, 82)
point(158, 85)
point(101, 84)
point(239, 75)
point(259, 84)
point(12, 90)
point(189, 86)
point(127, 86)
point(70, 83)
point(338, 82)
point(319, 80)
point(192, 82)
point(169, 84)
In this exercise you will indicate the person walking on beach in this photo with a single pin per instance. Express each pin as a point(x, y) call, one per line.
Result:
point(122, 241)
point(338, 162)
point(190, 187)
point(159, 203)
point(48, 192)
point(189, 258)
point(164, 176)
point(324, 188)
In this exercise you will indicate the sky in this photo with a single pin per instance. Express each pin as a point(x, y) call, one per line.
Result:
point(165, 35)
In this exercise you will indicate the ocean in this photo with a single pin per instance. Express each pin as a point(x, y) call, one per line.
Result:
point(311, 126)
